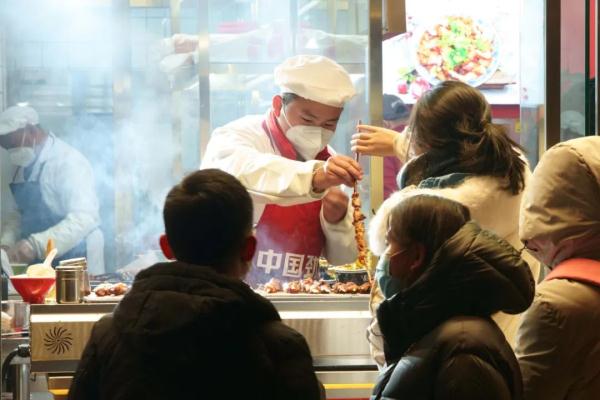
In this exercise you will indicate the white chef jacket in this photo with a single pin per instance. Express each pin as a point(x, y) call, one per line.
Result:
point(68, 188)
point(243, 149)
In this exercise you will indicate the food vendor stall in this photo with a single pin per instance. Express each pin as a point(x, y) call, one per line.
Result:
point(58, 334)
point(138, 85)
point(121, 86)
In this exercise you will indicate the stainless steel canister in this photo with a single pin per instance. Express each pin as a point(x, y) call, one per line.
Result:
point(85, 281)
point(68, 284)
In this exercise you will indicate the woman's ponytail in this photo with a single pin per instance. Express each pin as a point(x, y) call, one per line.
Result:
point(496, 154)
point(453, 121)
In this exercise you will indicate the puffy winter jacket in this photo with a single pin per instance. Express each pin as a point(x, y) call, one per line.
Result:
point(494, 209)
point(559, 340)
point(439, 339)
point(186, 332)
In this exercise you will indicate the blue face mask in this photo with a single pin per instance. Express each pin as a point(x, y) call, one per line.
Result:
point(387, 283)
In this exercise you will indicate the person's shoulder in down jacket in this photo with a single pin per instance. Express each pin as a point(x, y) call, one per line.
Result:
point(463, 358)
point(202, 334)
point(559, 338)
point(192, 328)
point(443, 277)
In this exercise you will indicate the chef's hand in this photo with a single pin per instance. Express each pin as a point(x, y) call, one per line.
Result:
point(335, 206)
point(185, 43)
point(374, 141)
point(337, 170)
point(21, 252)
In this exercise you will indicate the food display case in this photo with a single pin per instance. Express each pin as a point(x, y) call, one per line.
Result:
point(334, 327)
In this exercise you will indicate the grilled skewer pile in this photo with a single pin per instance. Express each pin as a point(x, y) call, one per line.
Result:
point(359, 230)
point(312, 286)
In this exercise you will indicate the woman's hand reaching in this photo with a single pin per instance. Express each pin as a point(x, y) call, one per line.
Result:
point(374, 141)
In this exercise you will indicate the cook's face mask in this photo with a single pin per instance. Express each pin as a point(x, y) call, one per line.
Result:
point(22, 156)
point(308, 140)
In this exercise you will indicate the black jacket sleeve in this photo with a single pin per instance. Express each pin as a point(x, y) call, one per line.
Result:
point(86, 381)
point(467, 377)
point(295, 376)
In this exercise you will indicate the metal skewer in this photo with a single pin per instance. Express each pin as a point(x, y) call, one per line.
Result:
point(357, 158)
point(355, 194)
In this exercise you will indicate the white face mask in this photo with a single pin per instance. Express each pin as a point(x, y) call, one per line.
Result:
point(308, 140)
point(21, 156)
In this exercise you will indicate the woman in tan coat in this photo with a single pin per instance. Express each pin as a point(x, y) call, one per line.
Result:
point(558, 343)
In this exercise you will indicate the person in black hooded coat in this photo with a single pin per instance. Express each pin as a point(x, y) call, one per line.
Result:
point(192, 329)
point(442, 281)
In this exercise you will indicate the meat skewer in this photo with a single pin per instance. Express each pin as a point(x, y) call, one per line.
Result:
point(292, 287)
point(359, 227)
point(109, 289)
point(273, 286)
point(365, 288)
point(311, 286)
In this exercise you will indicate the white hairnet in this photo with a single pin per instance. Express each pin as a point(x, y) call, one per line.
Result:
point(17, 117)
point(315, 78)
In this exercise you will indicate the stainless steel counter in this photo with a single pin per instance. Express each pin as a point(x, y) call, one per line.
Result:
point(59, 333)
point(334, 327)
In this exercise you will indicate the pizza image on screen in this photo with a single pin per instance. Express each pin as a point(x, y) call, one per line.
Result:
point(457, 48)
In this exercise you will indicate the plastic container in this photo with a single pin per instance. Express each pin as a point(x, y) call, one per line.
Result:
point(32, 290)
point(19, 269)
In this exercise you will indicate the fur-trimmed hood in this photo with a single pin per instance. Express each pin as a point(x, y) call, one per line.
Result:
point(493, 208)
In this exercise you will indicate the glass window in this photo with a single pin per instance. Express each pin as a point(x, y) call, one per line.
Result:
point(533, 77)
point(133, 89)
point(576, 83)
point(435, 49)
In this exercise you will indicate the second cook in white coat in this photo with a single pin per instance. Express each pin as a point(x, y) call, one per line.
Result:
point(284, 161)
point(51, 195)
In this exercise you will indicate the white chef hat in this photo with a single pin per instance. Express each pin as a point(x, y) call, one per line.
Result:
point(17, 117)
point(315, 78)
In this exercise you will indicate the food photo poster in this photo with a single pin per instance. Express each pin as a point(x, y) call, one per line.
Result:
point(474, 42)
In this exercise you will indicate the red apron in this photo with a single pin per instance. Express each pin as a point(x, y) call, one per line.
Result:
point(577, 269)
point(290, 239)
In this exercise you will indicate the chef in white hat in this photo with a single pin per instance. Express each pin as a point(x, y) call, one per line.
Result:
point(293, 176)
point(53, 195)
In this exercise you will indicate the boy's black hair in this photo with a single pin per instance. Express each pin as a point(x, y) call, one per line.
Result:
point(207, 218)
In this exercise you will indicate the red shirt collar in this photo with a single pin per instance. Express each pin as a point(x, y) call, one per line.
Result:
point(577, 269)
point(282, 143)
